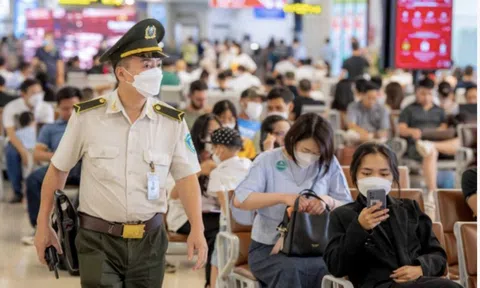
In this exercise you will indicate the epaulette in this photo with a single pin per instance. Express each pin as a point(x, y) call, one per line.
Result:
point(169, 112)
point(89, 105)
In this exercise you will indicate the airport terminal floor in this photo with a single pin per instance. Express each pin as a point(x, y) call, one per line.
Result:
point(19, 266)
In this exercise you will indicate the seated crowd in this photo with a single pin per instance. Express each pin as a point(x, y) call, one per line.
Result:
point(264, 147)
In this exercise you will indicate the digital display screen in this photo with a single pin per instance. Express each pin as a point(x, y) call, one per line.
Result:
point(77, 32)
point(423, 34)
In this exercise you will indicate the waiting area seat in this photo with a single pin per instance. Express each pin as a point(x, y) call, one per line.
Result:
point(233, 246)
point(452, 208)
point(466, 236)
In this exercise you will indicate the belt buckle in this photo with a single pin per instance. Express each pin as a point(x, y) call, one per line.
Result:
point(133, 231)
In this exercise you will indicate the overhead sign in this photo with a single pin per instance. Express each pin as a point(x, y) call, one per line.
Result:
point(263, 13)
point(302, 9)
point(423, 34)
point(89, 2)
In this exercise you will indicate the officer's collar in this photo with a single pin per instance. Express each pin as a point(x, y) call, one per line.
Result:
point(116, 106)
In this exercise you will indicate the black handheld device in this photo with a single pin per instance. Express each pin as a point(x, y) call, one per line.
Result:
point(377, 195)
point(52, 259)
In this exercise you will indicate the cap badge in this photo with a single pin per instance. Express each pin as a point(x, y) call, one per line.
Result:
point(150, 32)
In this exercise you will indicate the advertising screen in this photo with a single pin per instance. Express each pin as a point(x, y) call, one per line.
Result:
point(423, 34)
point(78, 32)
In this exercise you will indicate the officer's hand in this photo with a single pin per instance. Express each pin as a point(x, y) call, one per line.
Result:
point(196, 241)
point(45, 237)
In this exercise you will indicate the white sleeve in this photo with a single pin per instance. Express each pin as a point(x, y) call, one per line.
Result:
point(215, 183)
point(47, 115)
point(8, 114)
point(184, 160)
point(70, 150)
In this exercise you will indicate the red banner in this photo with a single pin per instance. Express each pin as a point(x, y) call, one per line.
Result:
point(423, 34)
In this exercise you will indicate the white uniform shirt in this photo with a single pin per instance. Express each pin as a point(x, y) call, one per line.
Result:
point(117, 155)
point(43, 114)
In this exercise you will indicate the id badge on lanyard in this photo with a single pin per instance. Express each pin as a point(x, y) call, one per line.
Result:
point(153, 184)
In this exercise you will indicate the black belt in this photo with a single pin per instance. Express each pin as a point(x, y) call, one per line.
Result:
point(123, 230)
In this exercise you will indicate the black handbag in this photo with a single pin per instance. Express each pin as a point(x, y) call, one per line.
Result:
point(305, 235)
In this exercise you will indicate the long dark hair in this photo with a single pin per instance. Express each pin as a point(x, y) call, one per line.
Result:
point(222, 106)
point(311, 125)
point(199, 131)
point(343, 95)
point(394, 92)
point(374, 148)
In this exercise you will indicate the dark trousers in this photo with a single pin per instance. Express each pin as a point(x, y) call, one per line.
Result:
point(211, 221)
point(281, 271)
point(115, 262)
point(424, 282)
point(14, 169)
point(34, 186)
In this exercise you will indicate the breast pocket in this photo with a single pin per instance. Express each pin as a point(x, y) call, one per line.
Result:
point(104, 159)
point(161, 164)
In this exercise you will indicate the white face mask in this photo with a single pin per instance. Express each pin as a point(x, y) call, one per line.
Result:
point(254, 110)
point(304, 160)
point(216, 159)
point(36, 99)
point(230, 125)
point(283, 114)
point(370, 183)
point(148, 82)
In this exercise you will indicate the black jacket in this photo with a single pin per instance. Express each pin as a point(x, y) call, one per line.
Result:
point(369, 258)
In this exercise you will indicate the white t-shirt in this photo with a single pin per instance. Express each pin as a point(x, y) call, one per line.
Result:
point(285, 66)
point(245, 81)
point(305, 72)
point(245, 61)
point(227, 176)
point(43, 113)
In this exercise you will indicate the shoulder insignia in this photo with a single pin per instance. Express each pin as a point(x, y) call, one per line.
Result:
point(169, 112)
point(89, 105)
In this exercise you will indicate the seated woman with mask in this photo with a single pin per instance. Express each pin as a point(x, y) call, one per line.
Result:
point(384, 248)
point(273, 131)
point(273, 183)
point(227, 114)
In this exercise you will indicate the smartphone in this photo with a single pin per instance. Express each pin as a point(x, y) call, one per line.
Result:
point(377, 195)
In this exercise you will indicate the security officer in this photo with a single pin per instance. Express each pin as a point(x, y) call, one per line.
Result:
point(128, 142)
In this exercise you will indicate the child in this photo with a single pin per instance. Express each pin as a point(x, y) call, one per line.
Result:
point(230, 171)
point(27, 135)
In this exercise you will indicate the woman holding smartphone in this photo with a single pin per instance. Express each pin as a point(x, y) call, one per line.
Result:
point(384, 248)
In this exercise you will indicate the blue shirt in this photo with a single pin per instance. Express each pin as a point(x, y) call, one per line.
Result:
point(51, 134)
point(273, 172)
point(248, 128)
point(27, 136)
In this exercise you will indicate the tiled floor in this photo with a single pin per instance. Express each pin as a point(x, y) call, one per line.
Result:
point(20, 268)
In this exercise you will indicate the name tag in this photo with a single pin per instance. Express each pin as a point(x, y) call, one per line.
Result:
point(153, 186)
